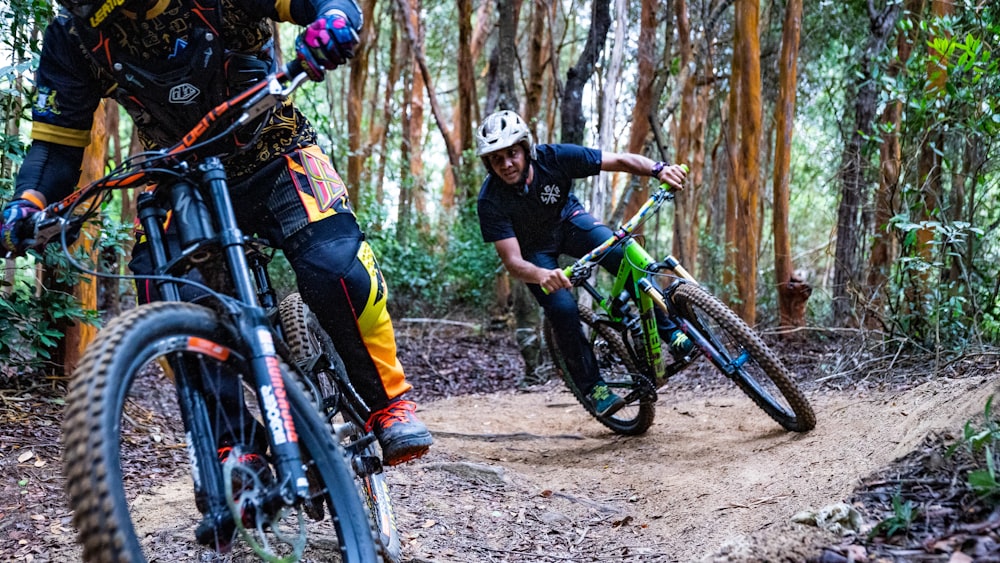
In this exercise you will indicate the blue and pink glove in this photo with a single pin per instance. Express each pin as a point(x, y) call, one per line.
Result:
point(326, 44)
point(15, 231)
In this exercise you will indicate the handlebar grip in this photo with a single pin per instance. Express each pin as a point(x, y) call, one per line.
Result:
point(293, 68)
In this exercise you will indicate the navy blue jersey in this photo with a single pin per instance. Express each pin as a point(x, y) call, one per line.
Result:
point(533, 214)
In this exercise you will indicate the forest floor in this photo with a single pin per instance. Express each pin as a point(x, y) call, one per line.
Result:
point(527, 475)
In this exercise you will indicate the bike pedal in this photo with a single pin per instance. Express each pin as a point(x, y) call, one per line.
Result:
point(367, 465)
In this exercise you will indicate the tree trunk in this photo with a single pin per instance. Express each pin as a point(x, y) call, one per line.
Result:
point(414, 36)
point(854, 167)
point(415, 137)
point(642, 110)
point(603, 195)
point(685, 247)
point(747, 193)
point(380, 135)
point(357, 154)
point(793, 292)
point(78, 336)
point(572, 122)
point(884, 247)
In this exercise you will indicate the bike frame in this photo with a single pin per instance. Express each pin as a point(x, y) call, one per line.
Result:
point(634, 278)
point(180, 187)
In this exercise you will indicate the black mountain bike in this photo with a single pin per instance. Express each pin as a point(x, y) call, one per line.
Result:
point(624, 336)
point(243, 370)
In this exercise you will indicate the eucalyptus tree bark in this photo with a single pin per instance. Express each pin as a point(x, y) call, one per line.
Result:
point(853, 168)
point(792, 291)
point(884, 245)
point(79, 335)
point(415, 136)
point(734, 170)
point(685, 228)
point(470, 45)
point(603, 194)
point(572, 121)
point(930, 161)
point(358, 151)
point(534, 85)
point(639, 134)
point(414, 38)
point(745, 230)
point(379, 134)
point(403, 205)
point(502, 87)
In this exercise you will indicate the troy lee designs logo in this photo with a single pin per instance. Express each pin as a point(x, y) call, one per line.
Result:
point(183, 93)
point(550, 194)
point(104, 11)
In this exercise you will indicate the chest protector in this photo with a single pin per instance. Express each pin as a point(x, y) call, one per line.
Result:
point(167, 96)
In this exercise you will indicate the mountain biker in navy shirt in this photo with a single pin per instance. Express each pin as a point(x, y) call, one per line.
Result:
point(528, 211)
point(168, 62)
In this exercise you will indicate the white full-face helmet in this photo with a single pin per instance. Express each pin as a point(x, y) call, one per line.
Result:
point(501, 130)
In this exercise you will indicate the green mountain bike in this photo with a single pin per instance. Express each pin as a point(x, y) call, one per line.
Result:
point(630, 357)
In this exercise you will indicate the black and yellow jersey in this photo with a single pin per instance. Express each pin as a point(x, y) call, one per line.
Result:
point(168, 69)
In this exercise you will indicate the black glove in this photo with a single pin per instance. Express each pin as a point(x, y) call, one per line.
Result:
point(326, 44)
point(16, 229)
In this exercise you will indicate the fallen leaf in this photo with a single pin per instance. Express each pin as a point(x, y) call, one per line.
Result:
point(25, 456)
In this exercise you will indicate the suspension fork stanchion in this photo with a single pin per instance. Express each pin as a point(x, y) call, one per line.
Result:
point(150, 216)
point(263, 359)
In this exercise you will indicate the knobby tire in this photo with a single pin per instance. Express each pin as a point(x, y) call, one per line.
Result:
point(102, 421)
point(617, 366)
point(762, 374)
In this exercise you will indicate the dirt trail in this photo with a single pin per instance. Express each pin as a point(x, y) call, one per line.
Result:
point(529, 477)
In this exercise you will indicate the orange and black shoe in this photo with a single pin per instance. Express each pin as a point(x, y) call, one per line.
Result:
point(402, 436)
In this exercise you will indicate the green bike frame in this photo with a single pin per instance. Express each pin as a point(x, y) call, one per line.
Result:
point(636, 267)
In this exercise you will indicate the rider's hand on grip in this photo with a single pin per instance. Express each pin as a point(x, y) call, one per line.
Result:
point(326, 44)
point(672, 175)
point(17, 228)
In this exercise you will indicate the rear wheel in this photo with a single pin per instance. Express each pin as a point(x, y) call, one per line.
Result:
point(619, 369)
point(314, 352)
point(744, 358)
point(122, 412)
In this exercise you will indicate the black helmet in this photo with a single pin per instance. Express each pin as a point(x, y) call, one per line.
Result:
point(94, 13)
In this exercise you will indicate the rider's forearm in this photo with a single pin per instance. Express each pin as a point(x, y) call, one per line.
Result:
point(49, 171)
point(635, 164)
point(525, 271)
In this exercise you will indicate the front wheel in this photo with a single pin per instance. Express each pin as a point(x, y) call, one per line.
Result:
point(743, 357)
point(619, 369)
point(129, 463)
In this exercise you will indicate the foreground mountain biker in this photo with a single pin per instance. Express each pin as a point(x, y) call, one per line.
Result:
point(168, 62)
point(528, 211)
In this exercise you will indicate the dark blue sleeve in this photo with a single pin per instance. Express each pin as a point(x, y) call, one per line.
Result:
point(67, 92)
point(494, 224)
point(576, 161)
point(51, 169)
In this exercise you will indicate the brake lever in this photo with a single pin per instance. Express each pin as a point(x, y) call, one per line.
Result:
point(580, 273)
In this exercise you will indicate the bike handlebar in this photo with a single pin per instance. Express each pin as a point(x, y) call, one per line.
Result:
point(663, 194)
point(253, 102)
